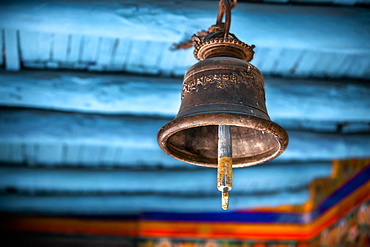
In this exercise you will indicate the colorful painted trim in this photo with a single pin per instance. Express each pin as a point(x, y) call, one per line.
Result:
point(349, 189)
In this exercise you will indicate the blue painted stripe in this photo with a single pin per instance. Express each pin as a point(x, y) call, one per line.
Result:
point(348, 188)
point(252, 217)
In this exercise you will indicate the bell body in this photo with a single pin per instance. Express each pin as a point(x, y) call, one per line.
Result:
point(223, 91)
point(223, 84)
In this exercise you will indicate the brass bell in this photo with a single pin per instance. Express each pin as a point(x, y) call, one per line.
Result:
point(223, 89)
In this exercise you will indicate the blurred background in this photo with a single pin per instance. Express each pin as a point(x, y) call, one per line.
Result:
point(86, 85)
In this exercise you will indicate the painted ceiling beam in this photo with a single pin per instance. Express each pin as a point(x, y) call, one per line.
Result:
point(262, 179)
point(38, 50)
point(301, 27)
point(55, 138)
point(131, 204)
point(287, 99)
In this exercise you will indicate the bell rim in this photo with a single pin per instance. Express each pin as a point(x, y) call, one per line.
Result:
point(239, 120)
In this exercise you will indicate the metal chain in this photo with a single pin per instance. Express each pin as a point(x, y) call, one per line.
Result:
point(225, 7)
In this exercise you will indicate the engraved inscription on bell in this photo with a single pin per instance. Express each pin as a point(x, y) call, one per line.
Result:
point(221, 81)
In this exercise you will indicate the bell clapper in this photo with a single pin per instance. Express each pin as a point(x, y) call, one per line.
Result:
point(225, 199)
point(224, 168)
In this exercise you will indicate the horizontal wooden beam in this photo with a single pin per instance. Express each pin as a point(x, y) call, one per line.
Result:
point(129, 204)
point(104, 36)
point(287, 99)
point(263, 179)
point(56, 138)
point(284, 26)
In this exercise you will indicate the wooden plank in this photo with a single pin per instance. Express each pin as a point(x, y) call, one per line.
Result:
point(44, 41)
point(346, 64)
point(71, 153)
point(356, 127)
point(197, 182)
point(184, 60)
point(322, 63)
point(345, 2)
point(317, 100)
point(15, 153)
point(60, 47)
point(90, 49)
point(74, 49)
point(272, 60)
point(151, 57)
point(335, 67)
point(281, 26)
point(167, 59)
point(107, 156)
point(36, 46)
point(90, 154)
point(358, 68)
point(307, 63)
point(120, 57)
point(344, 25)
point(128, 204)
point(50, 153)
point(31, 153)
point(313, 1)
point(288, 60)
point(106, 51)
point(11, 47)
point(28, 45)
point(367, 72)
point(278, 1)
point(2, 48)
point(135, 57)
point(259, 56)
point(4, 152)
point(136, 138)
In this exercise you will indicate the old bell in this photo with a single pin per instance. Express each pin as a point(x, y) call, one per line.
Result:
point(223, 89)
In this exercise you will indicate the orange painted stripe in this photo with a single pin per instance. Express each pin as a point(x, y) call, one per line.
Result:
point(220, 230)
